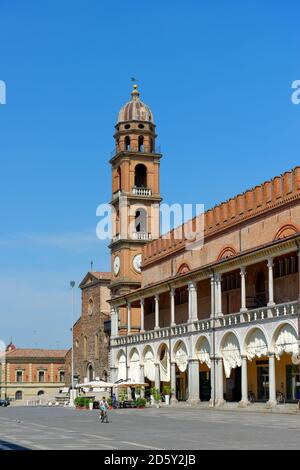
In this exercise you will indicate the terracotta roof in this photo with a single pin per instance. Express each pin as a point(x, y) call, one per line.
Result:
point(38, 353)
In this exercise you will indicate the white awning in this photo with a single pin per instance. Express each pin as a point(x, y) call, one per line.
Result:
point(149, 366)
point(231, 354)
point(134, 367)
point(257, 345)
point(286, 342)
point(203, 353)
point(181, 357)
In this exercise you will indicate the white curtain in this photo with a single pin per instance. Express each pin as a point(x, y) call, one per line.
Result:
point(203, 353)
point(231, 354)
point(181, 358)
point(286, 342)
point(122, 373)
point(134, 368)
point(149, 367)
point(164, 365)
point(257, 345)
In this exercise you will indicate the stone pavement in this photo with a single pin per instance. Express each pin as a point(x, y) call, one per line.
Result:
point(151, 429)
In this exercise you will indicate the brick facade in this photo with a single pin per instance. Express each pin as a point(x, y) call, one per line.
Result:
point(91, 331)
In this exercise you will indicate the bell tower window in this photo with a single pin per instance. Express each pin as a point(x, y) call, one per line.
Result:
point(140, 176)
point(141, 221)
point(127, 143)
point(141, 143)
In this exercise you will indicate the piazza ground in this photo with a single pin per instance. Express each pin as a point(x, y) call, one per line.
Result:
point(161, 429)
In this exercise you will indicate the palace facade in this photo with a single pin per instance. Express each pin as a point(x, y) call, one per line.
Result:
point(32, 374)
point(219, 322)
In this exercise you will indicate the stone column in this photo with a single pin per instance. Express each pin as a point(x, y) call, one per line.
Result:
point(193, 374)
point(272, 381)
point(244, 401)
point(156, 327)
point(193, 307)
point(142, 379)
point(172, 306)
point(220, 382)
point(142, 315)
point(219, 296)
point(243, 290)
point(173, 382)
point(157, 376)
point(114, 322)
point(212, 401)
point(271, 302)
point(213, 296)
point(128, 318)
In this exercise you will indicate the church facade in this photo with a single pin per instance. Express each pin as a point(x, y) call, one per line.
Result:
point(216, 324)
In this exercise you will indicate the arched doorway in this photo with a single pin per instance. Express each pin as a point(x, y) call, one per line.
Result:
point(90, 373)
point(181, 361)
point(232, 361)
point(163, 357)
point(202, 352)
point(256, 351)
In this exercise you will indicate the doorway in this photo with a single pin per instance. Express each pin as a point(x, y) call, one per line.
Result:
point(205, 386)
point(263, 382)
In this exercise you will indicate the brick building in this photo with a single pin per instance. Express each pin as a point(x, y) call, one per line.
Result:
point(91, 331)
point(29, 374)
point(215, 318)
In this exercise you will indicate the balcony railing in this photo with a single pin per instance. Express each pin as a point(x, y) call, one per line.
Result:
point(141, 236)
point(226, 321)
point(156, 150)
point(141, 191)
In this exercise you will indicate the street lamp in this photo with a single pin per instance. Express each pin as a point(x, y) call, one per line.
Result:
point(72, 391)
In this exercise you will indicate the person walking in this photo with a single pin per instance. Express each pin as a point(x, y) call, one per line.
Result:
point(114, 401)
point(103, 410)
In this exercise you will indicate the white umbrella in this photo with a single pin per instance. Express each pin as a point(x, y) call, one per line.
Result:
point(131, 384)
point(95, 384)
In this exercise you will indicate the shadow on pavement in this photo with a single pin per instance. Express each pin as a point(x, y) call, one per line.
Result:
point(5, 445)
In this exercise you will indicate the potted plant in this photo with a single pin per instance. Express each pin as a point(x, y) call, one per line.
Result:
point(91, 404)
point(167, 390)
point(140, 402)
point(155, 393)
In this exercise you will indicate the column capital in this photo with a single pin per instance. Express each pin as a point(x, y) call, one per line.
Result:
point(142, 301)
point(270, 262)
point(218, 277)
point(172, 291)
point(192, 285)
point(243, 271)
point(156, 297)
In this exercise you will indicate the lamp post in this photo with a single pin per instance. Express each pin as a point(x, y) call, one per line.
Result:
point(72, 392)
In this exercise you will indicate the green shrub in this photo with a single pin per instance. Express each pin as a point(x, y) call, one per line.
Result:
point(140, 402)
point(167, 390)
point(82, 402)
point(109, 401)
point(156, 394)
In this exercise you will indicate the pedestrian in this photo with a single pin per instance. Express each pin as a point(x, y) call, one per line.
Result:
point(114, 401)
point(103, 410)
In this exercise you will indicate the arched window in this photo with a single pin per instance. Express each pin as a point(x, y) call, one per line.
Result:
point(90, 372)
point(140, 176)
point(19, 395)
point(119, 178)
point(260, 289)
point(141, 221)
point(96, 346)
point(127, 143)
point(40, 393)
point(85, 348)
point(91, 307)
point(141, 143)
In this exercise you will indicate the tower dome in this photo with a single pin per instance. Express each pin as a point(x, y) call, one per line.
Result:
point(135, 110)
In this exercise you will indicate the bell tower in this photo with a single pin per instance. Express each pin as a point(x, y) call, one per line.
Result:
point(135, 193)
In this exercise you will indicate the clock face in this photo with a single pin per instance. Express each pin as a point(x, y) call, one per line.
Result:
point(116, 265)
point(137, 261)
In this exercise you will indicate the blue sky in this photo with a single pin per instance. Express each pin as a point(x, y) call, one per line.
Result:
point(217, 76)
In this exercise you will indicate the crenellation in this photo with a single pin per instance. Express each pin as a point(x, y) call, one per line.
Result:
point(243, 206)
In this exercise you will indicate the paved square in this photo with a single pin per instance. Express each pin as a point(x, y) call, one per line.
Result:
point(160, 429)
